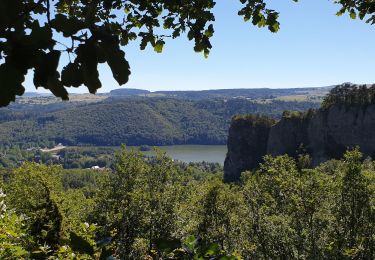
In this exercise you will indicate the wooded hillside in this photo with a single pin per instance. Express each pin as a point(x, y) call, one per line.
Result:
point(133, 121)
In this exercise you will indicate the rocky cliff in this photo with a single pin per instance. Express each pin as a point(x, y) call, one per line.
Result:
point(247, 144)
point(324, 134)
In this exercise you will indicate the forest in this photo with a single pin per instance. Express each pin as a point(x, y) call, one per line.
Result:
point(140, 207)
point(132, 121)
point(69, 157)
point(159, 209)
point(350, 95)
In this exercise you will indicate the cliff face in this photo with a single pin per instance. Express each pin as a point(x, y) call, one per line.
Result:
point(324, 134)
point(247, 143)
point(333, 131)
point(287, 136)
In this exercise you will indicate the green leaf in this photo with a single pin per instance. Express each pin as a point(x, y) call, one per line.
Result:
point(190, 243)
point(105, 254)
point(275, 27)
point(210, 31)
point(190, 35)
point(212, 250)
point(80, 244)
point(159, 46)
point(166, 245)
point(229, 258)
point(206, 53)
point(168, 23)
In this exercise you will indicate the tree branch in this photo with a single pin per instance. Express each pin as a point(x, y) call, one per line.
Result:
point(32, 8)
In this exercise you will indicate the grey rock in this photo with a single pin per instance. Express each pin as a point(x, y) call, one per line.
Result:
point(247, 143)
point(324, 134)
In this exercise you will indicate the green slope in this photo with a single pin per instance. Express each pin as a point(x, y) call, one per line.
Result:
point(152, 121)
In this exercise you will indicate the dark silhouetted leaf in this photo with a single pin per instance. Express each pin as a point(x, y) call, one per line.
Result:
point(11, 83)
point(80, 244)
point(68, 26)
point(116, 61)
point(71, 75)
point(54, 84)
point(88, 59)
point(166, 245)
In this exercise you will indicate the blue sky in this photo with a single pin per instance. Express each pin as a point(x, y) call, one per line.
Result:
point(313, 48)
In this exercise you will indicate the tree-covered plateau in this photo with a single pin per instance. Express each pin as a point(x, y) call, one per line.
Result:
point(350, 95)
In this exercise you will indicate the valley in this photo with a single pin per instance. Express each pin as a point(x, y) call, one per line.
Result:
point(112, 120)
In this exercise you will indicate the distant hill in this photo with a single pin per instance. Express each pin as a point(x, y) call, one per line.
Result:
point(36, 94)
point(138, 117)
point(30, 99)
point(133, 121)
point(254, 93)
point(33, 102)
point(128, 92)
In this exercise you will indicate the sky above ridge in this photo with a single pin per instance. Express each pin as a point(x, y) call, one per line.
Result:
point(313, 48)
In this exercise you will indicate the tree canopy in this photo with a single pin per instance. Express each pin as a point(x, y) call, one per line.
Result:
point(156, 208)
point(350, 95)
point(35, 33)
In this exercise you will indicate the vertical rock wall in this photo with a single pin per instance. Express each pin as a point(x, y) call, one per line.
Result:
point(247, 143)
point(325, 134)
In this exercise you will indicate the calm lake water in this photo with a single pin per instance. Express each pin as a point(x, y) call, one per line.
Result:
point(195, 153)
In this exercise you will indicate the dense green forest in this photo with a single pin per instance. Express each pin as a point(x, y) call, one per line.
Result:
point(133, 121)
point(157, 209)
point(69, 157)
point(350, 95)
point(138, 207)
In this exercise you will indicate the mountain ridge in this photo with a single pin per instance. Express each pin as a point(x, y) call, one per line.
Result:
point(205, 93)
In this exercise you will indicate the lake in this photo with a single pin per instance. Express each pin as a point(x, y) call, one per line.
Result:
point(195, 153)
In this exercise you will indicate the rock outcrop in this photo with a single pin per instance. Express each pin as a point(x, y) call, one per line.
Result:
point(325, 134)
point(247, 144)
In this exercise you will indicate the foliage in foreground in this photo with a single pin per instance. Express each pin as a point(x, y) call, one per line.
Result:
point(156, 209)
point(35, 34)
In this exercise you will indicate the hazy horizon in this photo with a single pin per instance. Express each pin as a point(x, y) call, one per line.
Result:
point(44, 91)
